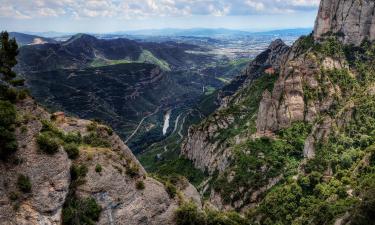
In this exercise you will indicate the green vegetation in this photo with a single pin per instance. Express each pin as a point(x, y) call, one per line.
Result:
point(8, 143)
point(72, 150)
point(148, 57)
point(189, 214)
point(95, 140)
point(170, 188)
point(257, 161)
point(209, 90)
point(48, 143)
point(145, 57)
point(78, 211)
point(140, 185)
point(8, 95)
point(24, 183)
point(132, 169)
point(98, 168)
point(99, 62)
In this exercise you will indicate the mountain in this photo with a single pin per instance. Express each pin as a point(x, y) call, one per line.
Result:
point(295, 144)
point(82, 51)
point(26, 39)
point(72, 171)
point(57, 169)
point(124, 83)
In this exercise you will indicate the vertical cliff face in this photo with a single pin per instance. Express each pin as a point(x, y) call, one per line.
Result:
point(352, 20)
point(203, 145)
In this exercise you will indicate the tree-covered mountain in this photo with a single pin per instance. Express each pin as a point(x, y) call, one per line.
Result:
point(296, 144)
point(127, 84)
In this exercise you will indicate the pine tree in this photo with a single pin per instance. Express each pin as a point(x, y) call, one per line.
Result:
point(8, 54)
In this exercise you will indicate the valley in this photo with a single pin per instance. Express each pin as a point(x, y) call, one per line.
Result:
point(105, 76)
point(190, 126)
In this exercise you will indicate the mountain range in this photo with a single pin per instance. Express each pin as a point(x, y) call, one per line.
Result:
point(289, 140)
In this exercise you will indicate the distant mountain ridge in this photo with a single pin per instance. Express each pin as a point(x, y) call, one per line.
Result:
point(27, 39)
point(82, 51)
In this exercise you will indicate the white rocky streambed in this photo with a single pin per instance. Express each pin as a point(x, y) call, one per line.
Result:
point(167, 117)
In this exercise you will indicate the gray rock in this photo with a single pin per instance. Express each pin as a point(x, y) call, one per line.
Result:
point(352, 20)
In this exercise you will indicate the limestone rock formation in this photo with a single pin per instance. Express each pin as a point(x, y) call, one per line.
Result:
point(352, 20)
point(117, 192)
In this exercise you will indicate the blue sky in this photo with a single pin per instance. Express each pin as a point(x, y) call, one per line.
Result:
point(120, 15)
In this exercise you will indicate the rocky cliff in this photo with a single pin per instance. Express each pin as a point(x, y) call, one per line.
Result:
point(202, 145)
point(278, 148)
point(44, 188)
point(352, 20)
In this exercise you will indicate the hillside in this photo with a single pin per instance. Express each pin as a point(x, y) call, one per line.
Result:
point(126, 84)
point(295, 145)
point(65, 170)
point(27, 39)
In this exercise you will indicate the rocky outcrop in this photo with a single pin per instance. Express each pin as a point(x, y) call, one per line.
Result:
point(270, 58)
point(207, 155)
point(352, 20)
point(287, 103)
point(49, 176)
point(117, 192)
point(200, 146)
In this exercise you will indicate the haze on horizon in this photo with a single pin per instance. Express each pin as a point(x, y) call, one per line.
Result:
point(104, 16)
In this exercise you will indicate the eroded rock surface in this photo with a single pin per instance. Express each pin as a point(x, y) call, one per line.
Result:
point(352, 20)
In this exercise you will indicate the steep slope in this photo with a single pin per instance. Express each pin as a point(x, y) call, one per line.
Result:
point(198, 147)
point(103, 179)
point(352, 21)
point(297, 146)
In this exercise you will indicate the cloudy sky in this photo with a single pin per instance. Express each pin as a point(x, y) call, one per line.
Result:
point(122, 15)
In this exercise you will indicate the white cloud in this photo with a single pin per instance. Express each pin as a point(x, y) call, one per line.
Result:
point(21, 9)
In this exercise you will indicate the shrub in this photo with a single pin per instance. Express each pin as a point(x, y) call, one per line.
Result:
point(78, 211)
point(132, 170)
point(8, 143)
point(13, 196)
point(73, 137)
point(78, 171)
point(140, 185)
point(92, 126)
point(72, 150)
point(48, 143)
point(23, 183)
point(188, 214)
point(171, 189)
point(98, 168)
point(95, 140)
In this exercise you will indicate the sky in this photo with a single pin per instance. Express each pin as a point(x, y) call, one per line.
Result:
point(103, 16)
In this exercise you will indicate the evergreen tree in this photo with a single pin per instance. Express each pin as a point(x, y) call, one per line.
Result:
point(8, 53)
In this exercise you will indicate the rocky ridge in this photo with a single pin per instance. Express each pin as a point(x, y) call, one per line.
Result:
point(114, 190)
point(213, 155)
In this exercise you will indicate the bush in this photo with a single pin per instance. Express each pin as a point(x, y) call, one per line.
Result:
point(171, 189)
point(8, 143)
point(48, 143)
point(72, 150)
point(140, 185)
point(78, 211)
point(73, 137)
point(98, 168)
point(94, 140)
point(132, 170)
point(188, 214)
point(78, 171)
point(23, 183)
